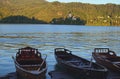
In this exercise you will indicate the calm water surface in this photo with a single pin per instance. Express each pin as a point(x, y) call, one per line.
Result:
point(79, 39)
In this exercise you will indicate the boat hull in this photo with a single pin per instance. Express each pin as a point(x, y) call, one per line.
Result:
point(79, 72)
point(79, 66)
point(28, 75)
point(106, 64)
point(29, 64)
point(107, 58)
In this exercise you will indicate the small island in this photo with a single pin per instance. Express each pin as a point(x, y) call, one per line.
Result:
point(69, 20)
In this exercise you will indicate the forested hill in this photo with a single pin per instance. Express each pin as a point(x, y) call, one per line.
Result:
point(61, 13)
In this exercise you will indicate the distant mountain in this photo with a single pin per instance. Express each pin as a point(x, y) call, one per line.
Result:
point(16, 3)
point(108, 14)
point(21, 1)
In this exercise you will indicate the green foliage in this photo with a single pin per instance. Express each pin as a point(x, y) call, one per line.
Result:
point(21, 19)
point(91, 14)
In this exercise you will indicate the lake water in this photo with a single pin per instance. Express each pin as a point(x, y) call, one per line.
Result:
point(79, 39)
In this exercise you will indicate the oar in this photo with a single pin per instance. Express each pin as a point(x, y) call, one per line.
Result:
point(42, 63)
point(91, 61)
point(15, 61)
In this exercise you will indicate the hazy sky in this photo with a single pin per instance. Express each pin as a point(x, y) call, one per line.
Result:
point(90, 1)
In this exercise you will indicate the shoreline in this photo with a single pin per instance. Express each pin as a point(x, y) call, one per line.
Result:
point(13, 75)
point(57, 24)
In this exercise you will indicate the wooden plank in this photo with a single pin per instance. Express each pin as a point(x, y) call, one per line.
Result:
point(113, 75)
point(59, 75)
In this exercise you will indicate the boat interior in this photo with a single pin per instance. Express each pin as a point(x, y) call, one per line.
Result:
point(76, 61)
point(28, 58)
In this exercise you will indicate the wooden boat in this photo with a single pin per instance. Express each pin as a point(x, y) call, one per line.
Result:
point(29, 63)
point(107, 58)
point(78, 65)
